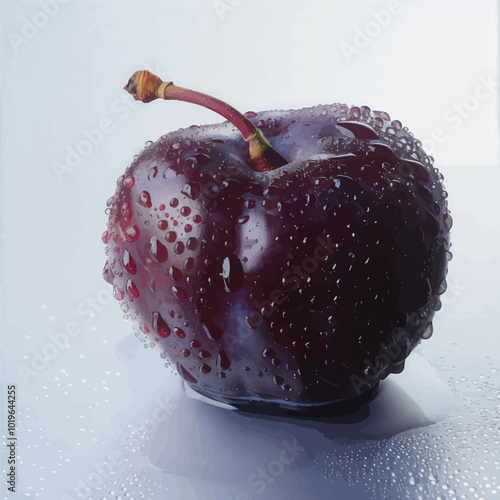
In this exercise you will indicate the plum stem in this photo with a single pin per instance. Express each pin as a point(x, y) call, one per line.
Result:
point(146, 87)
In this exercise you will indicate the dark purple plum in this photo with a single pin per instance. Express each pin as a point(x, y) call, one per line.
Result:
point(300, 285)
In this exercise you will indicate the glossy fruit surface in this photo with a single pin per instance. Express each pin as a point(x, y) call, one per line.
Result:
point(300, 286)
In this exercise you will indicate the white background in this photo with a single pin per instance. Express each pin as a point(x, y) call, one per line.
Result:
point(432, 432)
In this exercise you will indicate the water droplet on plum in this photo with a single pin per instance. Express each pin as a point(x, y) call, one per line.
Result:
point(132, 233)
point(175, 274)
point(179, 248)
point(178, 292)
point(179, 332)
point(160, 325)
point(222, 360)
point(158, 250)
point(145, 199)
point(131, 289)
point(192, 244)
point(117, 293)
point(128, 263)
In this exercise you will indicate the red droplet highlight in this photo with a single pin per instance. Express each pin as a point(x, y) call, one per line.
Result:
point(132, 233)
point(174, 202)
point(117, 293)
point(178, 332)
point(162, 225)
point(158, 250)
point(171, 236)
point(162, 207)
point(251, 322)
point(185, 211)
point(192, 243)
point(188, 228)
point(126, 210)
point(189, 263)
point(128, 263)
point(197, 219)
point(131, 289)
point(145, 199)
point(160, 325)
point(175, 274)
point(178, 292)
point(195, 344)
point(222, 360)
point(129, 182)
point(179, 247)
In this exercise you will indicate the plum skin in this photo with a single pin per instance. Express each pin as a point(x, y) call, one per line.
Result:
point(297, 287)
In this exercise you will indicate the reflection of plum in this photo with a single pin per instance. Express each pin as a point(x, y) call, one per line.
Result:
point(295, 272)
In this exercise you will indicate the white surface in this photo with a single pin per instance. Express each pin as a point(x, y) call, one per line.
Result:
point(433, 430)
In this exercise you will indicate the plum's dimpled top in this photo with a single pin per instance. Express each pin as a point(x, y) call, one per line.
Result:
point(300, 286)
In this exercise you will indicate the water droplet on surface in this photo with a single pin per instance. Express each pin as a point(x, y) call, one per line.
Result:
point(189, 263)
point(195, 344)
point(185, 211)
point(160, 325)
point(178, 292)
point(251, 323)
point(442, 287)
point(175, 274)
point(278, 380)
point(428, 332)
point(178, 332)
point(397, 124)
point(192, 244)
point(131, 289)
point(204, 368)
point(179, 247)
point(145, 199)
point(222, 360)
point(269, 353)
point(129, 263)
point(126, 210)
point(132, 233)
point(158, 250)
point(171, 236)
point(174, 202)
point(205, 354)
point(244, 219)
point(448, 221)
point(162, 225)
point(232, 274)
point(186, 352)
point(129, 182)
point(154, 171)
point(191, 190)
point(117, 293)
